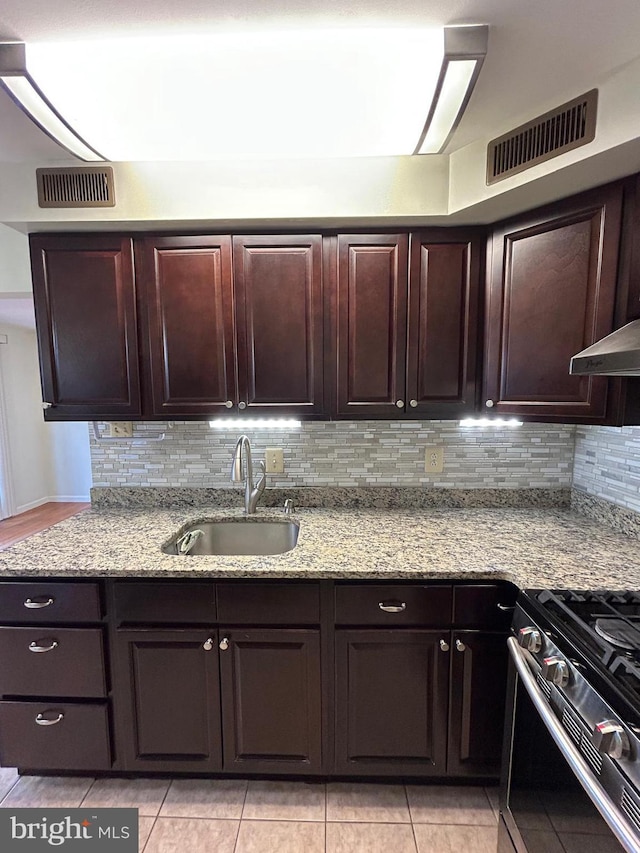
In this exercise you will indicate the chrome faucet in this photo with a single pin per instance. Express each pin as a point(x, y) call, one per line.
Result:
point(244, 473)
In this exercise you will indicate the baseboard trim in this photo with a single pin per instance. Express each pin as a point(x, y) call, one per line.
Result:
point(57, 499)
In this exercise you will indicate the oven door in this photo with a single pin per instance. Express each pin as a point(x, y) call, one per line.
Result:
point(551, 802)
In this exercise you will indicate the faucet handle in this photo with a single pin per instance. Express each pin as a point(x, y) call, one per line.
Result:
point(289, 507)
point(262, 482)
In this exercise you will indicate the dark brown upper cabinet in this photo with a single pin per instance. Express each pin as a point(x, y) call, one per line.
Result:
point(406, 324)
point(279, 321)
point(371, 325)
point(85, 304)
point(442, 340)
point(187, 293)
point(551, 293)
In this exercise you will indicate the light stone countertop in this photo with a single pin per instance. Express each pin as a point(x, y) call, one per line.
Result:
point(552, 548)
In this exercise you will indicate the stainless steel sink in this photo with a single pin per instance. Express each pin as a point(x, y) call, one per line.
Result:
point(244, 536)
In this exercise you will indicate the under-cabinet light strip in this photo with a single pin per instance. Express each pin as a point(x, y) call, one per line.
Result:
point(490, 422)
point(258, 423)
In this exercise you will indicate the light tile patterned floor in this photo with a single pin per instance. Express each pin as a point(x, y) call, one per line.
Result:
point(236, 816)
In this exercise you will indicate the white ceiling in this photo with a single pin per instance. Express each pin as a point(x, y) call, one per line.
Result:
point(540, 53)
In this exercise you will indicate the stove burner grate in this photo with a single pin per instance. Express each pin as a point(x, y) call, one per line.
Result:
point(619, 633)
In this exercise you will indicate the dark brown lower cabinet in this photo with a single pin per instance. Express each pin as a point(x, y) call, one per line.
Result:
point(170, 700)
point(391, 702)
point(476, 709)
point(271, 700)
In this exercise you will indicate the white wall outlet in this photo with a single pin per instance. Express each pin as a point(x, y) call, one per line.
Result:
point(274, 460)
point(121, 429)
point(434, 460)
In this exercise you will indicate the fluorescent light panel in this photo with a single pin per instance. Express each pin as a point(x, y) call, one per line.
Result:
point(22, 89)
point(258, 423)
point(464, 52)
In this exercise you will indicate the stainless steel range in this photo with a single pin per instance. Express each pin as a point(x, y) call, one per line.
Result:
point(571, 763)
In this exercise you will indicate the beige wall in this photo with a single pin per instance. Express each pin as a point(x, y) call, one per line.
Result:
point(15, 272)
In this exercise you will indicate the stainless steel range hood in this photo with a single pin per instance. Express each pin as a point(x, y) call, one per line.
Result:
point(616, 355)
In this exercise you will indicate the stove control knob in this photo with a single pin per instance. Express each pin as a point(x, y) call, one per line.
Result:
point(555, 670)
point(530, 639)
point(609, 738)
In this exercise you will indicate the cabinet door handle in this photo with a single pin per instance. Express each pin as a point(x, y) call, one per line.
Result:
point(229, 404)
point(47, 405)
point(36, 647)
point(208, 645)
point(42, 721)
point(413, 403)
point(460, 646)
point(400, 404)
point(242, 405)
point(224, 644)
point(392, 608)
point(489, 404)
point(38, 603)
point(506, 607)
point(444, 646)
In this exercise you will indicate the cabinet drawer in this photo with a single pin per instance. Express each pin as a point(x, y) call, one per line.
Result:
point(483, 606)
point(161, 602)
point(268, 603)
point(49, 602)
point(52, 661)
point(393, 604)
point(77, 737)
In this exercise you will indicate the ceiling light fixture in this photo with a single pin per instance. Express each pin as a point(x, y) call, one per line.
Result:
point(464, 51)
point(23, 90)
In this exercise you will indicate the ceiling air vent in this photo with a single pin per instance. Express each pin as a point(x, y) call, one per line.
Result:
point(569, 126)
point(88, 186)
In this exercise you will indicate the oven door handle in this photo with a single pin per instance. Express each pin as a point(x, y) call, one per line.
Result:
point(614, 817)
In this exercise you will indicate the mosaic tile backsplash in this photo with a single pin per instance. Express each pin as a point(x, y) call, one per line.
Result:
point(607, 464)
point(345, 453)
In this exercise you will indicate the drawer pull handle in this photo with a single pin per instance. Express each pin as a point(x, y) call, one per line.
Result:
point(506, 607)
point(392, 608)
point(42, 721)
point(38, 604)
point(444, 646)
point(460, 646)
point(36, 647)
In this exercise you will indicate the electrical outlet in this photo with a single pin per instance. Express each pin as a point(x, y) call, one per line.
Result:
point(274, 460)
point(120, 429)
point(434, 460)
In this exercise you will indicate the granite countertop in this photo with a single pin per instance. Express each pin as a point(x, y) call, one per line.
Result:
point(530, 547)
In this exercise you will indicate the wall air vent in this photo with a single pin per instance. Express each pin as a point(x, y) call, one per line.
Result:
point(569, 126)
point(84, 186)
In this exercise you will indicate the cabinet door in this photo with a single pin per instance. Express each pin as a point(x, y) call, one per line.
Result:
point(551, 294)
point(85, 305)
point(187, 289)
point(391, 702)
point(371, 325)
point(271, 700)
point(278, 285)
point(442, 357)
point(478, 690)
point(168, 701)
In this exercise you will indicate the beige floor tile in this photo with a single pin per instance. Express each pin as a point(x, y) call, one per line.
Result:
point(55, 792)
point(453, 805)
point(207, 798)
point(437, 838)
point(178, 835)
point(284, 801)
point(146, 795)
point(367, 803)
point(370, 838)
point(8, 778)
point(280, 836)
point(145, 825)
